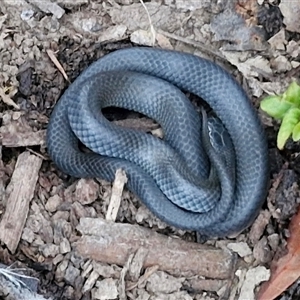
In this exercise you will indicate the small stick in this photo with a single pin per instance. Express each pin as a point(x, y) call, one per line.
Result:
point(116, 195)
point(21, 191)
point(113, 243)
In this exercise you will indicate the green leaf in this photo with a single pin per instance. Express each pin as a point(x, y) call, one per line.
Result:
point(275, 106)
point(289, 121)
point(296, 133)
point(292, 94)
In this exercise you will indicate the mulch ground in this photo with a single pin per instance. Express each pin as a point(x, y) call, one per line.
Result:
point(50, 223)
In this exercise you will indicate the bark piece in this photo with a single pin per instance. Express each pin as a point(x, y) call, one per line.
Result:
point(90, 282)
point(290, 11)
point(20, 190)
point(106, 289)
point(49, 7)
point(137, 263)
point(112, 243)
point(86, 191)
point(23, 139)
point(161, 282)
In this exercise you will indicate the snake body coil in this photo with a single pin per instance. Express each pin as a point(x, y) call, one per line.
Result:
point(131, 78)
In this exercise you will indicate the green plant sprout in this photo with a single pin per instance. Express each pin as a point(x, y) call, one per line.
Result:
point(286, 108)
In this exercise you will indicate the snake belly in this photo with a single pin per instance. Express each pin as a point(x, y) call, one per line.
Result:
point(228, 207)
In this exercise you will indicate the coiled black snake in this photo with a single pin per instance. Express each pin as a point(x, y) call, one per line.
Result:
point(148, 80)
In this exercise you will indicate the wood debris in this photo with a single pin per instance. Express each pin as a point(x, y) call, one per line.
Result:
point(25, 139)
point(20, 192)
point(112, 243)
point(116, 194)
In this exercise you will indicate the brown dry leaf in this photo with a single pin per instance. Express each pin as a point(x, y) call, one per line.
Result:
point(287, 269)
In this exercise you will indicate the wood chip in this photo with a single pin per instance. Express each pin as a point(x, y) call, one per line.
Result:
point(90, 282)
point(144, 277)
point(112, 243)
point(135, 268)
point(116, 195)
point(199, 284)
point(20, 139)
point(49, 7)
point(20, 192)
point(122, 282)
point(86, 191)
point(105, 289)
